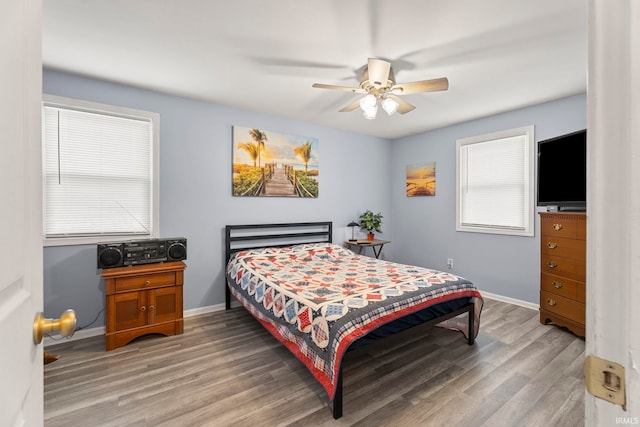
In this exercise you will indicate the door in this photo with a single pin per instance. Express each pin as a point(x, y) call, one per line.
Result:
point(21, 401)
point(165, 305)
point(127, 311)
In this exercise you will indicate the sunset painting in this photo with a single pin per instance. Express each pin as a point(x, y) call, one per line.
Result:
point(272, 164)
point(421, 180)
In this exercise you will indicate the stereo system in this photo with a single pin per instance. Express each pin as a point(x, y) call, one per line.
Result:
point(144, 251)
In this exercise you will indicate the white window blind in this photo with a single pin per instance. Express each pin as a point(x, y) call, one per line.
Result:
point(98, 172)
point(495, 183)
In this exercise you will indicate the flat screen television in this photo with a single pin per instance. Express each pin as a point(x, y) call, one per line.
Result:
point(562, 171)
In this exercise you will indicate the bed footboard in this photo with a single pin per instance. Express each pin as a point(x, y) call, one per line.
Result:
point(468, 308)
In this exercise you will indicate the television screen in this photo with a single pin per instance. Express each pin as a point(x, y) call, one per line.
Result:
point(562, 171)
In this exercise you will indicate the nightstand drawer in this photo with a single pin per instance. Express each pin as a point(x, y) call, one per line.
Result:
point(565, 307)
point(147, 281)
point(566, 248)
point(565, 267)
point(562, 286)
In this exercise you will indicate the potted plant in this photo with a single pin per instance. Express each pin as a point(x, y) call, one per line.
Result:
point(370, 222)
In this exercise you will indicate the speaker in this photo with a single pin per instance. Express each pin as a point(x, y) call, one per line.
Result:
point(176, 249)
point(110, 255)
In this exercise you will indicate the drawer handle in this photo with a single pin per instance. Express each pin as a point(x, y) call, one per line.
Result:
point(147, 282)
point(557, 227)
point(552, 264)
point(551, 302)
point(552, 245)
point(143, 308)
point(556, 285)
point(151, 308)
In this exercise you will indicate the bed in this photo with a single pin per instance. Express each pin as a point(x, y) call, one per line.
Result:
point(321, 300)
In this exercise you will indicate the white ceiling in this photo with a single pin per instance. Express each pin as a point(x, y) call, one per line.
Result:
point(264, 55)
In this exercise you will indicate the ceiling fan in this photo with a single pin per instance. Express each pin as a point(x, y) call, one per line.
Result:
point(379, 84)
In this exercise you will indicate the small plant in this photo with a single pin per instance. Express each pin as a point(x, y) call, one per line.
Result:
point(371, 222)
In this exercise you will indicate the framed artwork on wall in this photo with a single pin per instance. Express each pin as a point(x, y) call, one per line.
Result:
point(421, 180)
point(272, 164)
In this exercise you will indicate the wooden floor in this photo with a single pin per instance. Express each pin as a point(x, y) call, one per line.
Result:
point(227, 370)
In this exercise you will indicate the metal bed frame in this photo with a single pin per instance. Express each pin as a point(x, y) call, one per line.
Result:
point(255, 236)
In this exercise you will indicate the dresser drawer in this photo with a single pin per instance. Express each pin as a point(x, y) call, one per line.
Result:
point(563, 225)
point(123, 284)
point(562, 306)
point(562, 247)
point(562, 286)
point(565, 267)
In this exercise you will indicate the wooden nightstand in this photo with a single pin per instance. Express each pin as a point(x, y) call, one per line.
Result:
point(374, 244)
point(143, 299)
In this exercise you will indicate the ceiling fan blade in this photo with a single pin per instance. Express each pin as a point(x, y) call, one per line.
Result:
point(342, 88)
point(404, 107)
point(355, 104)
point(378, 72)
point(432, 85)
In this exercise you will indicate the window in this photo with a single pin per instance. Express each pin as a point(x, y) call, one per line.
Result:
point(100, 172)
point(495, 183)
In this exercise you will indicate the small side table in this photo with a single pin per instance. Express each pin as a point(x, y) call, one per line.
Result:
point(143, 299)
point(374, 244)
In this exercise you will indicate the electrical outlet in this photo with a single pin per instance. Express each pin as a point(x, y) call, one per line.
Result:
point(450, 263)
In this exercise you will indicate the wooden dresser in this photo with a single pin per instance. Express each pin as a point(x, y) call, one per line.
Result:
point(143, 299)
point(562, 270)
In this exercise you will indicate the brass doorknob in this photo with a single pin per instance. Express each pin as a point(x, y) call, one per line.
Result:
point(66, 325)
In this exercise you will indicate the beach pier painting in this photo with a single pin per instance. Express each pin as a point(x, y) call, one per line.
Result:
point(421, 180)
point(272, 164)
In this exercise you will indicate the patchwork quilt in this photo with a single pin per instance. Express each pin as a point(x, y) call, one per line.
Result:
point(318, 298)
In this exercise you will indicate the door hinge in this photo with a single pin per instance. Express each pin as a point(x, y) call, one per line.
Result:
point(605, 379)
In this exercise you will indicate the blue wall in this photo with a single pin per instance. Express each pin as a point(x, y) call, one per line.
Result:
point(196, 201)
point(195, 190)
point(502, 265)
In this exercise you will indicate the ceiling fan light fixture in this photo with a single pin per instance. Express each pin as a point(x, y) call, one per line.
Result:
point(390, 105)
point(368, 102)
point(371, 112)
point(378, 85)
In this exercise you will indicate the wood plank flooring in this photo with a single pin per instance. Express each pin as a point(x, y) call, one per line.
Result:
point(227, 370)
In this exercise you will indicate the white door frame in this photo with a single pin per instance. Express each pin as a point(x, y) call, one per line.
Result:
point(613, 200)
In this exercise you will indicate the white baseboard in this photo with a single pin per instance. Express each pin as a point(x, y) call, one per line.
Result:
point(101, 330)
point(521, 303)
point(54, 339)
point(87, 333)
point(203, 310)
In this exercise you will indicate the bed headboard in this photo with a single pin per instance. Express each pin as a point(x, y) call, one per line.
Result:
point(254, 236)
